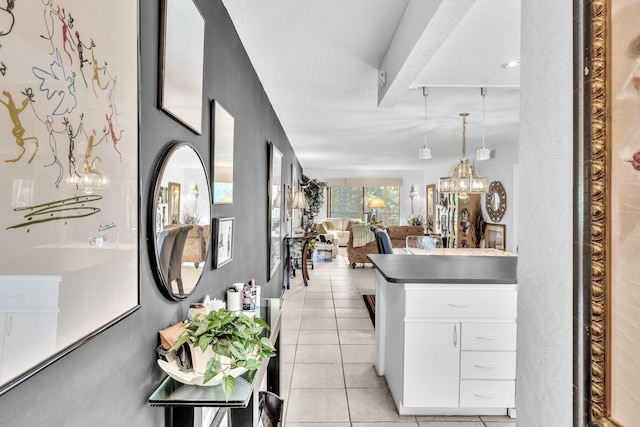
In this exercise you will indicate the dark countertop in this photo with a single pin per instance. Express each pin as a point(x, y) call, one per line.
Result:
point(446, 269)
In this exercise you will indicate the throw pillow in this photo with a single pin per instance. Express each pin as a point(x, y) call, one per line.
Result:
point(320, 228)
point(329, 225)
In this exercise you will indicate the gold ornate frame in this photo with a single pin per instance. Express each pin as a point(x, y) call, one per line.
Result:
point(600, 238)
point(599, 217)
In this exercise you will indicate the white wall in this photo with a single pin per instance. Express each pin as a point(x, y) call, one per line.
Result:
point(545, 217)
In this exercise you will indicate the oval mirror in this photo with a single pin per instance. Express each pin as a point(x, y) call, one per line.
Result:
point(180, 220)
point(496, 201)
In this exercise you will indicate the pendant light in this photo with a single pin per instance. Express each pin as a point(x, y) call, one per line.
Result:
point(483, 153)
point(462, 177)
point(424, 153)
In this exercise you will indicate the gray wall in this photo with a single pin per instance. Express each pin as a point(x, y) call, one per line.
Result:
point(107, 381)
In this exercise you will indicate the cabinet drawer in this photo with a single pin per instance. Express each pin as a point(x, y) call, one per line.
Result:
point(489, 336)
point(489, 365)
point(28, 292)
point(487, 394)
point(462, 304)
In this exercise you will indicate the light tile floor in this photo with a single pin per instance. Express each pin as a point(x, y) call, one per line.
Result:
point(327, 350)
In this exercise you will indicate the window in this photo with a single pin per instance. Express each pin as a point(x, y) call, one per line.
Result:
point(345, 202)
point(353, 202)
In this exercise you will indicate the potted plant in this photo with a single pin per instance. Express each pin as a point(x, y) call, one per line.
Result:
point(226, 340)
point(314, 193)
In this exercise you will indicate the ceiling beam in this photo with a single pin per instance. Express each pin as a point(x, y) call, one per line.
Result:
point(424, 27)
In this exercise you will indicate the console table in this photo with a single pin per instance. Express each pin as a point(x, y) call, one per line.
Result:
point(289, 242)
point(180, 400)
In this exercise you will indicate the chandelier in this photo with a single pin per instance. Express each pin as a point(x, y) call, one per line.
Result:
point(462, 176)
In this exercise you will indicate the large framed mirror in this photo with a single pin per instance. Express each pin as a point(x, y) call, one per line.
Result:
point(182, 62)
point(612, 206)
point(180, 220)
point(274, 236)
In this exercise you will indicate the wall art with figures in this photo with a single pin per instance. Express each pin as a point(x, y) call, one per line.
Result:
point(68, 173)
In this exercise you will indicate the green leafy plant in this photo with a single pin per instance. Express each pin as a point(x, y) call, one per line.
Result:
point(235, 336)
point(314, 193)
point(416, 219)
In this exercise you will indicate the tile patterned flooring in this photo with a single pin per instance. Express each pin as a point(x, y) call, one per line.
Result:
point(327, 352)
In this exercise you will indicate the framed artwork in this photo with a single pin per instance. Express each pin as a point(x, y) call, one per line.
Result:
point(222, 136)
point(275, 202)
point(223, 241)
point(612, 234)
point(495, 237)
point(69, 168)
point(182, 62)
point(173, 204)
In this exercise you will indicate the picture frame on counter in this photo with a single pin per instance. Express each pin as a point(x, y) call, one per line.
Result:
point(495, 236)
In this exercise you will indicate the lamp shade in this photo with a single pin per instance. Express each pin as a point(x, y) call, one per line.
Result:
point(299, 201)
point(377, 204)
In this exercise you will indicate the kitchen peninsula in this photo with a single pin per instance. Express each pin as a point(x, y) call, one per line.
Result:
point(445, 328)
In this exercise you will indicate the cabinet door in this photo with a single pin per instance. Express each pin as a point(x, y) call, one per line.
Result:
point(432, 365)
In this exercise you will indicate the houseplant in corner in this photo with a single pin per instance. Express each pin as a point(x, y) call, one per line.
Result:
point(226, 340)
point(314, 193)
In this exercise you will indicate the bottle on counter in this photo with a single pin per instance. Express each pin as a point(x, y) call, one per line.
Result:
point(249, 296)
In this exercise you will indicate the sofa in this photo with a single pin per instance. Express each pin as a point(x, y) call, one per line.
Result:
point(339, 227)
point(398, 234)
point(358, 254)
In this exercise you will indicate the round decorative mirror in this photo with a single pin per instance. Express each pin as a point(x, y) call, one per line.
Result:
point(180, 219)
point(496, 201)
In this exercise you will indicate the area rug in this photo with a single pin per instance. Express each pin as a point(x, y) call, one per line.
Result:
point(370, 302)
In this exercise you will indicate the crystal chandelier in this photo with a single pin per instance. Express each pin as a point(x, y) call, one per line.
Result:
point(462, 176)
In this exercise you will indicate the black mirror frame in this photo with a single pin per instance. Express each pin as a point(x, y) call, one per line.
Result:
point(153, 195)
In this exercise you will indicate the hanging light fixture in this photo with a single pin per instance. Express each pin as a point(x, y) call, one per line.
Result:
point(483, 153)
point(424, 153)
point(462, 177)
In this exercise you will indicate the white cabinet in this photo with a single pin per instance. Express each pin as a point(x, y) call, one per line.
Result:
point(28, 322)
point(458, 349)
point(426, 363)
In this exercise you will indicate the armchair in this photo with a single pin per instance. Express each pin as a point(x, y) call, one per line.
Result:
point(358, 254)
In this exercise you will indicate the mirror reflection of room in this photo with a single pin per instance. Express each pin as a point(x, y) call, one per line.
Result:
point(182, 221)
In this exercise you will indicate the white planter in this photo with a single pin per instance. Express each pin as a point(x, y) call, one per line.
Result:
point(199, 359)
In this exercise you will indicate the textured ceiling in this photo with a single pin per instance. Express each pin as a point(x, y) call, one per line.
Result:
point(319, 62)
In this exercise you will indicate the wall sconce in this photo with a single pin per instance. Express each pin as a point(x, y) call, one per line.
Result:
point(413, 193)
